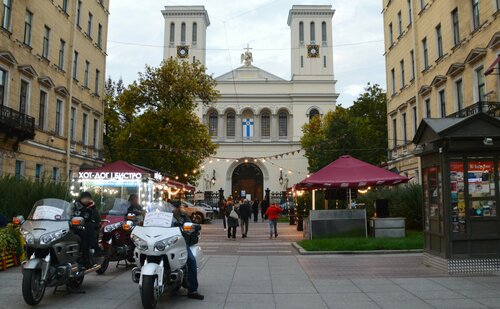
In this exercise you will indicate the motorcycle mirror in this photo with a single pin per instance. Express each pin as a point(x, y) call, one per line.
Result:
point(77, 221)
point(188, 226)
point(127, 226)
point(18, 220)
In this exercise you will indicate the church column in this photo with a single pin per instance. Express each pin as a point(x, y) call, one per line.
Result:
point(239, 127)
point(221, 134)
point(256, 127)
point(274, 127)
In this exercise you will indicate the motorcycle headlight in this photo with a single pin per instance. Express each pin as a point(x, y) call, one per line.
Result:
point(50, 237)
point(165, 243)
point(112, 227)
point(140, 243)
point(28, 237)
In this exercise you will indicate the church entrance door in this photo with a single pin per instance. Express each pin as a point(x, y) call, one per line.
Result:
point(247, 178)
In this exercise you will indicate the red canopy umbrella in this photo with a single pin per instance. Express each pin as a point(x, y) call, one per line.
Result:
point(117, 167)
point(348, 172)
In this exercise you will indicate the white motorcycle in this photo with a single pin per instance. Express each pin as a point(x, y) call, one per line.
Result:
point(161, 251)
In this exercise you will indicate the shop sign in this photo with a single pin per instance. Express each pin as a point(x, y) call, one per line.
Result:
point(109, 176)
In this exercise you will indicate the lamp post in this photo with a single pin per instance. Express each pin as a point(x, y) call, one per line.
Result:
point(213, 180)
point(281, 177)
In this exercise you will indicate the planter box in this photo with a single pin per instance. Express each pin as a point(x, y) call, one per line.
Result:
point(387, 227)
point(8, 260)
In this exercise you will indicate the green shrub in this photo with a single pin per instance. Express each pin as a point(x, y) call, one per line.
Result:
point(9, 240)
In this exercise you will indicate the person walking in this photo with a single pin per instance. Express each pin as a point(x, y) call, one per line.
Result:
point(222, 211)
point(272, 214)
point(263, 209)
point(245, 214)
point(232, 214)
point(255, 210)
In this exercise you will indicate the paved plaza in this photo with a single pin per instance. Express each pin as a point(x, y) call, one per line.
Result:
point(261, 273)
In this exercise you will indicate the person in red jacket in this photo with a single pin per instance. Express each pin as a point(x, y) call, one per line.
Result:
point(272, 214)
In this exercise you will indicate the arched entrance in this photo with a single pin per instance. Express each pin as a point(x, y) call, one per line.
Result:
point(247, 177)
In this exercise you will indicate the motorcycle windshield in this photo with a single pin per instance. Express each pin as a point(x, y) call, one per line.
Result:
point(51, 209)
point(159, 215)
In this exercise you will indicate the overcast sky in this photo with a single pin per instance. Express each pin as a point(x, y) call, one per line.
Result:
point(136, 38)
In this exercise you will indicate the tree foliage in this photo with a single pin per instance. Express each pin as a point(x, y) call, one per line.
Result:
point(360, 131)
point(153, 121)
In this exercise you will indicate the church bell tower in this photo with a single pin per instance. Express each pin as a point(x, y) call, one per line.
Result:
point(185, 36)
point(311, 43)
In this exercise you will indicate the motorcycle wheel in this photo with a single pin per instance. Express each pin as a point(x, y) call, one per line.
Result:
point(149, 300)
point(33, 289)
point(197, 218)
point(75, 283)
point(104, 266)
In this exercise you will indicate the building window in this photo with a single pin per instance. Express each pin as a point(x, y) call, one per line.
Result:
point(195, 33)
point(38, 171)
point(476, 22)
point(42, 110)
point(301, 33)
point(231, 124)
point(497, 3)
point(183, 33)
point(301, 61)
point(78, 12)
point(55, 174)
point(391, 37)
point(265, 124)
point(19, 171)
point(480, 84)
point(415, 121)
point(410, 13)
point(456, 26)
point(65, 6)
point(425, 53)
point(97, 81)
point(394, 134)
point(402, 67)
point(46, 42)
point(72, 124)
point(213, 123)
point(412, 59)
point(96, 132)
point(75, 65)
point(89, 25)
point(86, 74)
point(393, 82)
point(283, 124)
point(59, 122)
point(324, 34)
point(459, 94)
point(99, 36)
point(324, 61)
point(85, 119)
point(427, 108)
point(62, 47)
point(442, 103)
point(439, 41)
point(400, 23)
point(313, 113)
point(6, 14)
point(28, 20)
point(3, 85)
point(23, 97)
point(172, 33)
point(313, 32)
point(403, 126)
point(422, 5)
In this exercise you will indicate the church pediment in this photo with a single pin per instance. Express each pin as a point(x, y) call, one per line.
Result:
point(248, 73)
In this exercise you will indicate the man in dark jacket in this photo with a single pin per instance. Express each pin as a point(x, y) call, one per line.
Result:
point(245, 213)
point(263, 209)
point(255, 210)
point(85, 207)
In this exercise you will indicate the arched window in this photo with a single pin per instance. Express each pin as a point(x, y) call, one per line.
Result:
point(265, 124)
point(323, 33)
point(212, 123)
point(172, 34)
point(231, 124)
point(283, 124)
point(301, 33)
point(183, 33)
point(195, 33)
point(313, 113)
point(313, 33)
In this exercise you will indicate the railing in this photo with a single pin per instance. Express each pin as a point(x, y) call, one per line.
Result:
point(16, 124)
point(490, 108)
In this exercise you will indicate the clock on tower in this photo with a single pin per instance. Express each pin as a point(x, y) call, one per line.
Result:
point(313, 51)
point(182, 51)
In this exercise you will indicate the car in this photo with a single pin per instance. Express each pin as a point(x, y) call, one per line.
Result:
point(197, 214)
point(215, 209)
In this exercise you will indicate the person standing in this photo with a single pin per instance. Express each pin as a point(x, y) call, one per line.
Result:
point(245, 214)
point(255, 210)
point(263, 209)
point(272, 214)
point(232, 220)
point(222, 211)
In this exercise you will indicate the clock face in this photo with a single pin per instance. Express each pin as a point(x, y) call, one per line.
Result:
point(313, 51)
point(182, 51)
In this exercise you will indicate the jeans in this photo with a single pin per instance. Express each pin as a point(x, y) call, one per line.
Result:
point(273, 224)
point(244, 226)
point(192, 273)
point(231, 232)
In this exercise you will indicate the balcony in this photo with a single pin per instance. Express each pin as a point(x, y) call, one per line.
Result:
point(16, 125)
point(490, 108)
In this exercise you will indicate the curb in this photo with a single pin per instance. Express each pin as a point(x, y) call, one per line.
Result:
point(302, 251)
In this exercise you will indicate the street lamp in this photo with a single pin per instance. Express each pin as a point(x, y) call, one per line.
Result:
point(213, 178)
point(281, 177)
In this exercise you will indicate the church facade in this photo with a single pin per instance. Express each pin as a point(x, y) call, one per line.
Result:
point(257, 121)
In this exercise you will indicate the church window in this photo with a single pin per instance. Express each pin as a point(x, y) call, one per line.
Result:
point(301, 33)
point(172, 33)
point(230, 124)
point(323, 33)
point(265, 124)
point(195, 33)
point(324, 61)
point(313, 33)
point(183, 33)
point(283, 124)
point(301, 61)
point(313, 113)
point(212, 124)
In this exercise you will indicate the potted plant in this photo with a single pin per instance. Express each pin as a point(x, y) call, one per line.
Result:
point(10, 245)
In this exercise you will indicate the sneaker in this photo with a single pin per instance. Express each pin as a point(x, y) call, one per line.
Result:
point(196, 295)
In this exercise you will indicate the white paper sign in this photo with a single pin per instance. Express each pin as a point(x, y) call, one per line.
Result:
point(160, 219)
point(47, 213)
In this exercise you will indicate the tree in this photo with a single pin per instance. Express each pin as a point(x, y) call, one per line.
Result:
point(157, 123)
point(360, 131)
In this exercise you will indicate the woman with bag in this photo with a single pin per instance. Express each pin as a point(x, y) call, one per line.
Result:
point(233, 215)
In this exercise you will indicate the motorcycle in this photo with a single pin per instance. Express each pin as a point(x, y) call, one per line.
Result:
point(162, 254)
point(53, 249)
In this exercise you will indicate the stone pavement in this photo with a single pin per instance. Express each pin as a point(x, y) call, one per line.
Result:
point(272, 280)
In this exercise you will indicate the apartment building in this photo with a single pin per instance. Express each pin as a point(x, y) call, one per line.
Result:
point(441, 61)
point(52, 69)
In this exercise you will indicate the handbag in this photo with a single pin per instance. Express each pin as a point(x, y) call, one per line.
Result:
point(233, 214)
